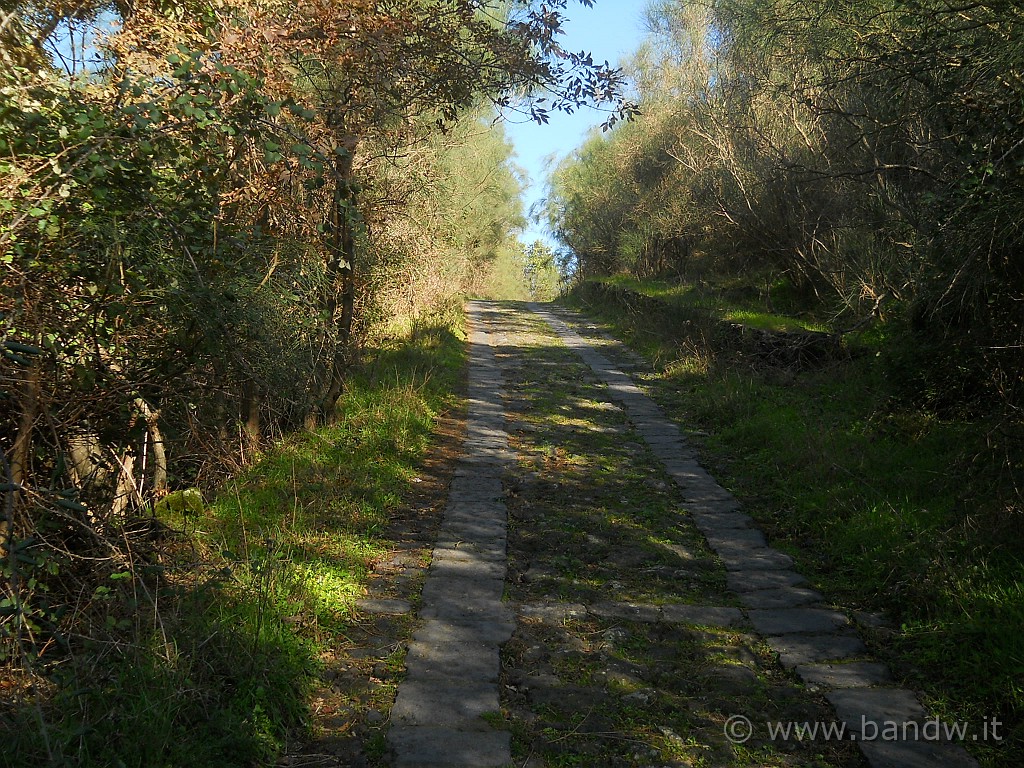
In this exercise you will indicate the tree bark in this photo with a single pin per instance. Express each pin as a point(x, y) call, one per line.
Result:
point(250, 411)
point(22, 449)
point(152, 419)
point(341, 274)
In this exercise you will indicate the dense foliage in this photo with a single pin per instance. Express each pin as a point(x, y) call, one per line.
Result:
point(867, 154)
point(205, 210)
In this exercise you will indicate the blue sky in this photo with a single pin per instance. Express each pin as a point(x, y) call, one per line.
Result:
point(611, 30)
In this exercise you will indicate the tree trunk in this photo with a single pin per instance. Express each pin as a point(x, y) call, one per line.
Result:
point(250, 412)
point(341, 273)
point(152, 419)
point(21, 451)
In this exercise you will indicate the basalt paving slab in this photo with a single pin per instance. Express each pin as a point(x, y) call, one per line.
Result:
point(781, 621)
point(721, 506)
point(694, 496)
point(796, 650)
point(702, 615)
point(435, 747)
point(450, 661)
point(915, 754)
point(855, 674)
point(462, 588)
point(486, 444)
point(457, 547)
point(666, 452)
point(782, 597)
point(470, 486)
point(426, 701)
point(657, 437)
point(735, 538)
point(893, 729)
point(450, 563)
point(761, 558)
point(470, 612)
point(497, 459)
point(464, 634)
point(754, 579)
point(472, 513)
point(692, 477)
point(469, 529)
point(866, 709)
point(712, 521)
point(485, 526)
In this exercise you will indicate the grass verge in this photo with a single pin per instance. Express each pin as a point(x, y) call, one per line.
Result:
point(206, 656)
point(728, 300)
point(887, 508)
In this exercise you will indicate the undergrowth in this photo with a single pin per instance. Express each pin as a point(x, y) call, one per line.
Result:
point(771, 307)
point(204, 651)
point(887, 507)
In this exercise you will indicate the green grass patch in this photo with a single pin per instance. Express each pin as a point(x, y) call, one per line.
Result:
point(727, 300)
point(887, 508)
point(212, 648)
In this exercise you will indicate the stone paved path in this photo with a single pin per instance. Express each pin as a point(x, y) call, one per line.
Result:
point(446, 709)
point(452, 662)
